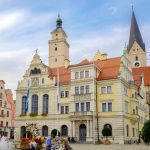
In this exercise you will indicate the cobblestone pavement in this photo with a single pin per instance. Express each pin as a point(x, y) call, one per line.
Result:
point(109, 147)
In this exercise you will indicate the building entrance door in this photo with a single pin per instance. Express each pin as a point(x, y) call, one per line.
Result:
point(82, 132)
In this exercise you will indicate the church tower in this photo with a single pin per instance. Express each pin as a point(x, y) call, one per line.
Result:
point(136, 46)
point(58, 46)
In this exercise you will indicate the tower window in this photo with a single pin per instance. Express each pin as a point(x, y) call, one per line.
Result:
point(136, 58)
point(56, 34)
point(55, 59)
point(55, 48)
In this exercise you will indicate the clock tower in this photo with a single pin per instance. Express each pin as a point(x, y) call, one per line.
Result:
point(136, 46)
point(58, 46)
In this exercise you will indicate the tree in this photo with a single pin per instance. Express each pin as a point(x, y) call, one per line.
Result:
point(54, 133)
point(106, 132)
point(146, 132)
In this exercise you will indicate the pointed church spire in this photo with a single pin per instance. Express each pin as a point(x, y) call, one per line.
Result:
point(135, 34)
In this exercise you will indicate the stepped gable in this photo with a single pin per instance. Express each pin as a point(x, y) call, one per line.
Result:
point(137, 72)
point(109, 68)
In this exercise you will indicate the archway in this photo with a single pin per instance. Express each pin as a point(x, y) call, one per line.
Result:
point(82, 132)
point(45, 131)
point(23, 132)
point(108, 129)
point(64, 130)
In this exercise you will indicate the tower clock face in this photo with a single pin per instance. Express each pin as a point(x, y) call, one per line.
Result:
point(137, 64)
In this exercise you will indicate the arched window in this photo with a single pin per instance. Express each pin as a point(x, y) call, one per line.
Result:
point(136, 58)
point(45, 131)
point(127, 129)
point(23, 110)
point(64, 130)
point(34, 105)
point(45, 104)
point(23, 132)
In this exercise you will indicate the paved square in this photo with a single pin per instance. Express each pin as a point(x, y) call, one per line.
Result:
point(109, 147)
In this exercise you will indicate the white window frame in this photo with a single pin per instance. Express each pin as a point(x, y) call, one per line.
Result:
point(106, 102)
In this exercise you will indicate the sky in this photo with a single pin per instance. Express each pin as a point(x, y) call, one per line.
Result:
point(91, 25)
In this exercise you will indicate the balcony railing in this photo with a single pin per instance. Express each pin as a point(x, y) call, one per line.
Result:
point(2, 115)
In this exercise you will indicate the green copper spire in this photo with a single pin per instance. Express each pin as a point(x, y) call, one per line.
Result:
point(58, 22)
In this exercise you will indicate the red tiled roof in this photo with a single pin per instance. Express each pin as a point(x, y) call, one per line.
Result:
point(109, 68)
point(137, 75)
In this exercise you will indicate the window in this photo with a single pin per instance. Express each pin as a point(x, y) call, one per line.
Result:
point(2, 112)
point(127, 107)
point(66, 109)
point(81, 89)
point(6, 124)
point(42, 80)
point(55, 59)
point(23, 110)
point(76, 75)
point(77, 107)
point(87, 106)
point(62, 94)
point(103, 107)
point(55, 48)
point(62, 109)
point(1, 125)
point(87, 89)
point(34, 104)
point(76, 90)
point(81, 74)
point(136, 58)
point(5, 104)
point(108, 89)
point(127, 128)
point(66, 93)
point(82, 106)
point(45, 131)
point(0, 103)
point(45, 104)
point(103, 90)
point(86, 74)
point(107, 107)
point(1, 95)
point(133, 132)
point(110, 107)
point(7, 113)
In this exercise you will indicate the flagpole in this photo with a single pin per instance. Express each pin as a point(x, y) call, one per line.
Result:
point(58, 96)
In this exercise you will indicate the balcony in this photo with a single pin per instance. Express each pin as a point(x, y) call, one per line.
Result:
point(81, 114)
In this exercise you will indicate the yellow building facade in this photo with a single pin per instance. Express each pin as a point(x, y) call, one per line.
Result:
point(93, 95)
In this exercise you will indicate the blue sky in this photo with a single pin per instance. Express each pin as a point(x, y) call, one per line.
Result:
point(91, 25)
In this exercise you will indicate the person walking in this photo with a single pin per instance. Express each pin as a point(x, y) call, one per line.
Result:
point(33, 145)
point(48, 143)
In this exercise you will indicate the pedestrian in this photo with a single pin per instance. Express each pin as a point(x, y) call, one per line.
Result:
point(66, 144)
point(48, 143)
point(33, 145)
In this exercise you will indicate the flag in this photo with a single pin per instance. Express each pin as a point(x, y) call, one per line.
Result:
point(27, 96)
point(58, 91)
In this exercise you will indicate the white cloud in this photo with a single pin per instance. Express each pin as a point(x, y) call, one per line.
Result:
point(10, 19)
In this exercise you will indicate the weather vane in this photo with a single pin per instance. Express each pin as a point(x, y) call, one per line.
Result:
point(132, 4)
point(36, 50)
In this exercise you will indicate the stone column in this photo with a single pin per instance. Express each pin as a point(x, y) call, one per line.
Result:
point(91, 129)
point(87, 131)
point(73, 128)
point(71, 132)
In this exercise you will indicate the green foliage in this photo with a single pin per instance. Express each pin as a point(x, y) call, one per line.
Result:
point(22, 115)
point(106, 132)
point(146, 132)
point(44, 114)
point(54, 133)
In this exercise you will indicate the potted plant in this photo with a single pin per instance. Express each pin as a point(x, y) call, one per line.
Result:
point(106, 132)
